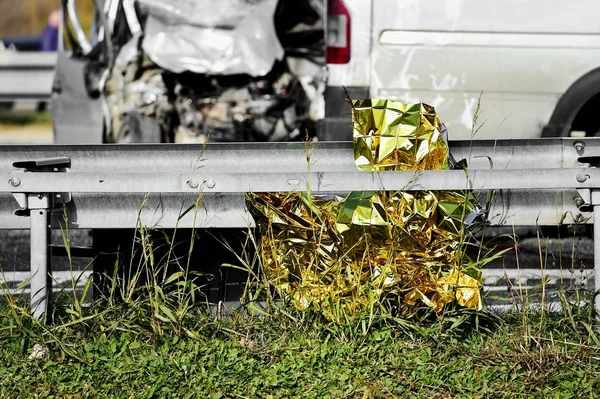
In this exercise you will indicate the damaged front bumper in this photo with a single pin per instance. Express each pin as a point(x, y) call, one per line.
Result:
point(222, 75)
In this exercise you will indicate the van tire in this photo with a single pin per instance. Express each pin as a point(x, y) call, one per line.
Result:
point(571, 104)
point(138, 128)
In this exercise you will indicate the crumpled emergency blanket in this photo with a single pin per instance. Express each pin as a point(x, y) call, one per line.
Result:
point(398, 251)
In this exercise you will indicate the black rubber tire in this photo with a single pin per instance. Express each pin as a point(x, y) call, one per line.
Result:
point(138, 128)
point(571, 103)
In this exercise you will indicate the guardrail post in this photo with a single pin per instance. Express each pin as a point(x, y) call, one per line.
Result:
point(597, 258)
point(38, 207)
point(40, 258)
point(592, 161)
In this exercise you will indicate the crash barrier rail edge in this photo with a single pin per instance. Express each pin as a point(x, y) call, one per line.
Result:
point(26, 76)
point(536, 182)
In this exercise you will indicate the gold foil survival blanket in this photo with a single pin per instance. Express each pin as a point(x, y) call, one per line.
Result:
point(394, 249)
point(389, 135)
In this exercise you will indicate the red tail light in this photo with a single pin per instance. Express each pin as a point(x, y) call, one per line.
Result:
point(338, 33)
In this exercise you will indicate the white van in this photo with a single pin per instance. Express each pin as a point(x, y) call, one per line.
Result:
point(536, 63)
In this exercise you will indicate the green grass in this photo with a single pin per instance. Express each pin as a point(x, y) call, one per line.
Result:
point(243, 356)
point(23, 117)
point(153, 336)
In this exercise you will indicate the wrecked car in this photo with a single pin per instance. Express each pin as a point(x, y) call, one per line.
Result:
point(184, 71)
point(151, 71)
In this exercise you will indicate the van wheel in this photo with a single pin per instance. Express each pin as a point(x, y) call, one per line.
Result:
point(587, 118)
point(138, 128)
point(577, 109)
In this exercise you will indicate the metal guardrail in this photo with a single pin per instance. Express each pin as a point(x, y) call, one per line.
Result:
point(537, 182)
point(26, 76)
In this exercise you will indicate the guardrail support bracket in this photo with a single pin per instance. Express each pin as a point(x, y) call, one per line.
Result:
point(38, 206)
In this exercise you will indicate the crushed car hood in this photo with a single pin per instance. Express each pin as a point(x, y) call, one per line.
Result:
point(224, 37)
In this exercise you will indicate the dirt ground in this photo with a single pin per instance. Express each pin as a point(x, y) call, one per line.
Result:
point(30, 134)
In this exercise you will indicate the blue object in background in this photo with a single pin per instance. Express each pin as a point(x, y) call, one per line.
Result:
point(49, 39)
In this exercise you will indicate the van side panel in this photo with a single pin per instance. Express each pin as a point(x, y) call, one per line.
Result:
point(521, 54)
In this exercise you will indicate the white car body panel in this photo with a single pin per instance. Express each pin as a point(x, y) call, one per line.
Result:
point(520, 56)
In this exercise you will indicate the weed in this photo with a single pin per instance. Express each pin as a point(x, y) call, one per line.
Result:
point(152, 333)
point(21, 118)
